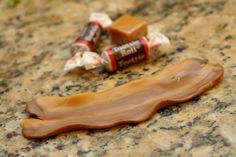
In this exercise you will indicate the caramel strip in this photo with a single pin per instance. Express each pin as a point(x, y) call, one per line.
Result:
point(133, 102)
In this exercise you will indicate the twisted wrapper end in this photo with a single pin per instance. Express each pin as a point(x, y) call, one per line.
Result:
point(158, 40)
point(103, 19)
point(158, 44)
point(83, 61)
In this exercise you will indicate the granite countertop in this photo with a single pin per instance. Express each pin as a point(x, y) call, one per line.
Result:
point(35, 39)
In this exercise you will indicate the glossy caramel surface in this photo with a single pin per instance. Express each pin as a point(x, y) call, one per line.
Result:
point(127, 28)
point(133, 102)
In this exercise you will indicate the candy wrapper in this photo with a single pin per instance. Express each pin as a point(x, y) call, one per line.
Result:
point(122, 56)
point(83, 61)
point(91, 33)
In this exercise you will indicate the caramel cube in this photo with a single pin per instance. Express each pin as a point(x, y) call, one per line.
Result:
point(127, 28)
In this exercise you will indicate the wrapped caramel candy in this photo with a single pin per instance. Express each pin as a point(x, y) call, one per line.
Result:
point(119, 57)
point(91, 33)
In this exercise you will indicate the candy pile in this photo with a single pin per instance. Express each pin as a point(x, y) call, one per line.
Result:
point(128, 33)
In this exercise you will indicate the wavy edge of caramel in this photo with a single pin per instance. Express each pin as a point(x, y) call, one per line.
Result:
point(31, 127)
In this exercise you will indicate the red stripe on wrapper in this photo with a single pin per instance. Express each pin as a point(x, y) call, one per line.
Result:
point(145, 45)
point(112, 59)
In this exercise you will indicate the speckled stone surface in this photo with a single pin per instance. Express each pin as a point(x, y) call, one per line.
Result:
point(35, 38)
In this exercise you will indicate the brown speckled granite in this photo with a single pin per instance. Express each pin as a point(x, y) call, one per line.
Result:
point(35, 38)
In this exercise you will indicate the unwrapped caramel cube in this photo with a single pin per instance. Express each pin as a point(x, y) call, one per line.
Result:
point(127, 28)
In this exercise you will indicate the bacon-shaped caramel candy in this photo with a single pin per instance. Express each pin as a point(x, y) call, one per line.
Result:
point(133, 102)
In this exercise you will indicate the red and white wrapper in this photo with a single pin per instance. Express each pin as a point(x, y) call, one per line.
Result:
point(83, 61)
point(91, 33)
point(121, 56)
